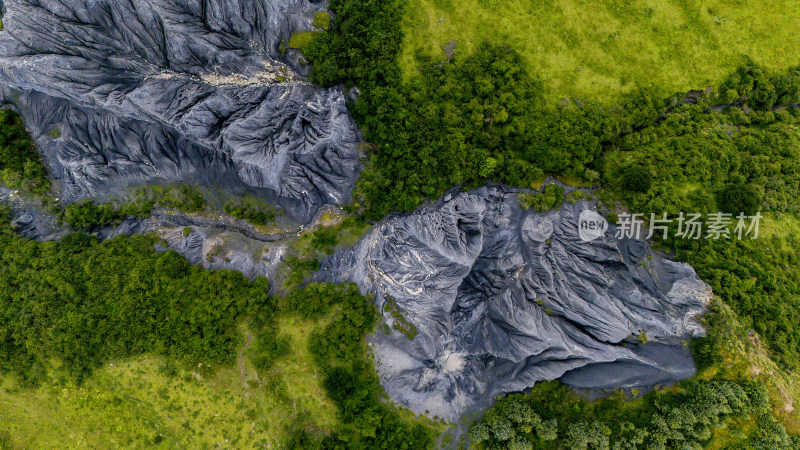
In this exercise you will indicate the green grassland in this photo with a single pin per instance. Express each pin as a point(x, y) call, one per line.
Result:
point(594, 50)
point(779, 224)
point(150, 400)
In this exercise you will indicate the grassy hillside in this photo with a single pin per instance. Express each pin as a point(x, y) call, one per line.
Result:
point(147, 401)
point(596, 49)
point(151, 400)
point(274, 395)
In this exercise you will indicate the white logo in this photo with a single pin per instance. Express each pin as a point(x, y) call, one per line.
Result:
point(591, 225)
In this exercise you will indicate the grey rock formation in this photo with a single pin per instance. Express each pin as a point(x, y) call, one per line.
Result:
point(123, 92)
point(503, 298)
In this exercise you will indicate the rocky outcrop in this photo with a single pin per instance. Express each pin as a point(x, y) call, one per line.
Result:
point(502, 298)
point(124, 92)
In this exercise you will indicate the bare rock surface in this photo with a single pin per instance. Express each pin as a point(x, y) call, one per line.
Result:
point(118, 92)
point(502, 298)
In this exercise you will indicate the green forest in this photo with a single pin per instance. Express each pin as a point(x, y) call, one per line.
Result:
point(56, 303)
point(685, 418)
point(462, 120)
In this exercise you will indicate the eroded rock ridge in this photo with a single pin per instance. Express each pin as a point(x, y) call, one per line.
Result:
point(502, 298)
point(118, 93)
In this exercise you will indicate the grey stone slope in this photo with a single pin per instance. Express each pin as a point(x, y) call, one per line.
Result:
point(121, 92)
point(503, 298)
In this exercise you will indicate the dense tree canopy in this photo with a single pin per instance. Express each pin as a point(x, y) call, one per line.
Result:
point(551, 416)
point(20, 162)
point(704, 158)
point(739, 198)
point(84, 302)
point(463, 119)
point(636, 178)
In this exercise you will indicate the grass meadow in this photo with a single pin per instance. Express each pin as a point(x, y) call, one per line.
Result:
point(152, 401)
point(595, 50)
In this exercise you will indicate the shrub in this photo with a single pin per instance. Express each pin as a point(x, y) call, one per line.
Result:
point(88, 215)
point(324, 240)
point(300, 40)
point(19, 159)
point(299, 269)
point(181, 197)
point(739, 198)
point(636, 178)
point(251, 209)
point(549, 198)
point(574, 197)
point(753, 83)
point(322, 20)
